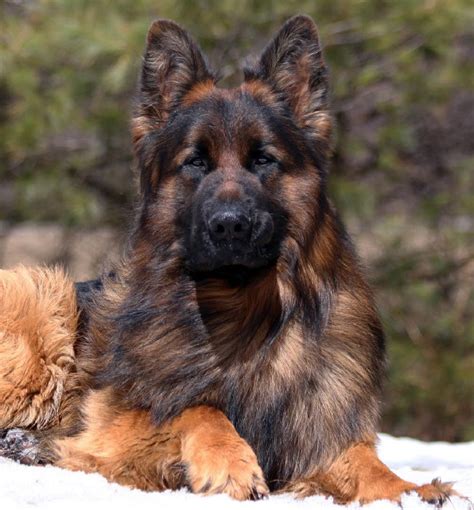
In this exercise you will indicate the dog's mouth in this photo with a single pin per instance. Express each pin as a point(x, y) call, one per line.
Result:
point(225, 261)
point(236, 275)
point(226, 258)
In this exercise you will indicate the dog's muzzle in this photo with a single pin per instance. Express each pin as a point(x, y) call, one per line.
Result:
point(231, 225)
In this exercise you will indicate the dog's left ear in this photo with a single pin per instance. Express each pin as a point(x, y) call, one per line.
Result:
point(292, 64)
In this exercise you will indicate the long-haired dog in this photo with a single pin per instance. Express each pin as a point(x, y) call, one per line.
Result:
point(237, 349)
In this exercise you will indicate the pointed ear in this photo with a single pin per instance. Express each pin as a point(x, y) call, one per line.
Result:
point(292, 64)
point(172, 65)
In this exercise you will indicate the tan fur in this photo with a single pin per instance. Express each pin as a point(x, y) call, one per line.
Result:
point(38, 322)
point(123, 446)
point(260, 91)
point(198, 92)
point(359, 475)
point(200, 448)
point(218, 459)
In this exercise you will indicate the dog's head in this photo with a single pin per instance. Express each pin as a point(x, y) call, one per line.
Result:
point(232, 174)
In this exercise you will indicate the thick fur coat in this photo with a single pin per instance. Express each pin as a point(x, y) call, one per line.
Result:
point(237, 348)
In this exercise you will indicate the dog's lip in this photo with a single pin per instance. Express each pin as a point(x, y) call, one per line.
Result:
point(239, 255)
point(206, 256)
point(229, 261)
point(239, 249)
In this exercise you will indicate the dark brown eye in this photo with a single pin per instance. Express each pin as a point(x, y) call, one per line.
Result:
point(263, 160)
point(197, 162)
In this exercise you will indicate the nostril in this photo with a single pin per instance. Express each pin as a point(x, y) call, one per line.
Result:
point(229, 226)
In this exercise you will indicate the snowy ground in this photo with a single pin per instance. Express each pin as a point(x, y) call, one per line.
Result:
point(24, 487)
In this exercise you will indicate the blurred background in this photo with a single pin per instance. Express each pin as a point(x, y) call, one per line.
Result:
point(403, 95)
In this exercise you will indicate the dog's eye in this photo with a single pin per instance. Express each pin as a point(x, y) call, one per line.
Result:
point(197, 162)
point(262, 160)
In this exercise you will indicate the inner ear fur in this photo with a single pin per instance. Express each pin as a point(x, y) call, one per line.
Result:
point(172, 64)
point(293, 65)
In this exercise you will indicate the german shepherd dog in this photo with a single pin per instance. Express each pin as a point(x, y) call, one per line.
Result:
point(237, 348)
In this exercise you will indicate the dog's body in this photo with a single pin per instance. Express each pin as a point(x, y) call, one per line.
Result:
point(237, 347)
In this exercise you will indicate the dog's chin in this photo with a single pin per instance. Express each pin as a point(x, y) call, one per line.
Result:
point(235, 276)
point(206, 266)
point(234, 268)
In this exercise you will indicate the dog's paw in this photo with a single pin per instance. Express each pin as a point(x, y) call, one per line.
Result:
point(227, 467)
point(436, 492)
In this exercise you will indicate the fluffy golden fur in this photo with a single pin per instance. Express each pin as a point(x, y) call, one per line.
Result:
point(38, 324)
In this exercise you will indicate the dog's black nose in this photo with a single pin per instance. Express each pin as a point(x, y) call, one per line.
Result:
point(229, 226)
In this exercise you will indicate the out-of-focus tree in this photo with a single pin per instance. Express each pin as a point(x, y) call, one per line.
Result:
point(402, 174)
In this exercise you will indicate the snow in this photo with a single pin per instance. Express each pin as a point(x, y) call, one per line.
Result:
point(50, 488)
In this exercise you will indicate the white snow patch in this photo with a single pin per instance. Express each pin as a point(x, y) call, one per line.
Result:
point(51, 488)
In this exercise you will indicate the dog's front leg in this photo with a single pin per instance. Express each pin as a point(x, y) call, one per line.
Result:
point(217, 459)
point(359, 475)
point(199, 449)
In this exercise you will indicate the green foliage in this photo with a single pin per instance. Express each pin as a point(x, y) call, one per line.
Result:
point(403, 101)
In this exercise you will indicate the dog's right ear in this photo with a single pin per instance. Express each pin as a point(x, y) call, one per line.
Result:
point(172, 65)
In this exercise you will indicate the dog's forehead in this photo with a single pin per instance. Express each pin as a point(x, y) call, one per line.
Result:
point(229, 115)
